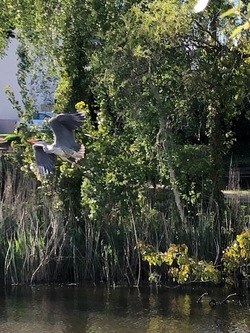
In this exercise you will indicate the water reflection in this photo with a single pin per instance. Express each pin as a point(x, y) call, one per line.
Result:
point(122, 310)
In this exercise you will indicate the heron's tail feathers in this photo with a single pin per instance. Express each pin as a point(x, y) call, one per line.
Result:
point(80, 153)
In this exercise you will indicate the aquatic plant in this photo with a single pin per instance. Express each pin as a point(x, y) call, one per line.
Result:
point(180, 266)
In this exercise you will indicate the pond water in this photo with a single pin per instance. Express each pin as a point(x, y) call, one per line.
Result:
point(74, 309)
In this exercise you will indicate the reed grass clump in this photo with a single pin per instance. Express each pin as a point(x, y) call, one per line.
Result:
point(48, 237)
point(32, 228)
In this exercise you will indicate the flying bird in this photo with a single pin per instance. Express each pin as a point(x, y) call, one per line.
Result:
point(64, 146)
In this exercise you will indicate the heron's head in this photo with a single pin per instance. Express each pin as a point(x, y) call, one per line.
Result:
point(33, 140)
point(37, 142)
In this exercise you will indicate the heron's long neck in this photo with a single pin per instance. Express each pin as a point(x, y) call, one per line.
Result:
point(47, 148)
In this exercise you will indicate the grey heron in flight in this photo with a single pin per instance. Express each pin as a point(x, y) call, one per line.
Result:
point(64, 146)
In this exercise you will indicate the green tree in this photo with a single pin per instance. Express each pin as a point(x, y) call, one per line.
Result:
point(166, 74)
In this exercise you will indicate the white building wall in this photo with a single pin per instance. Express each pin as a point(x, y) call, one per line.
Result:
point(41, 86)
point(8, 71)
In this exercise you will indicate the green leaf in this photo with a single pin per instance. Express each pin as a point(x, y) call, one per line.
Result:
point(230, 12)
point(237, 30)
point(239, 6)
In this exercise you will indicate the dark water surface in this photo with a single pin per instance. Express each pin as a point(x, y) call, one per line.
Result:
point(73, 309)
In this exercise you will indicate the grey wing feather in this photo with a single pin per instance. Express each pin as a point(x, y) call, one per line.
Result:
point(63, 126)
point(45, 162)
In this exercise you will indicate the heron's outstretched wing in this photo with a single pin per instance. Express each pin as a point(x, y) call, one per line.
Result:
point(63, 126)
point(45, 162)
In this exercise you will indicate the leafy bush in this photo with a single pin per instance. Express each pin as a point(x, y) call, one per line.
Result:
point(181, 267)
point(236, 259)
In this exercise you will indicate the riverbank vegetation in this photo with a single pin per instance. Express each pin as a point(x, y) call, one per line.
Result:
point(166, 97)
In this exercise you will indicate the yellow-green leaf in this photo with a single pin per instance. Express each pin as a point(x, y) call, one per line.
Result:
point(230, 12)
point(237, 30)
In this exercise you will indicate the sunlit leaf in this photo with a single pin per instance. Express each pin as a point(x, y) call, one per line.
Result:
point(200, 6)
point(239, 5)
point(237, 30)
point(230, 12)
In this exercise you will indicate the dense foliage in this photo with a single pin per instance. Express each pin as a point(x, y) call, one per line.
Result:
point(165, 92)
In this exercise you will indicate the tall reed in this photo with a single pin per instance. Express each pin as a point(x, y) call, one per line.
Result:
point(42, 239)
point(33, 229)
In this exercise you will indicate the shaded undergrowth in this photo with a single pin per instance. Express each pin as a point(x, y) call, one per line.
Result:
point(42, 239)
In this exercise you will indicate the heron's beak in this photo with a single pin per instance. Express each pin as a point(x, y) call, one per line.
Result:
point(32, 140)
